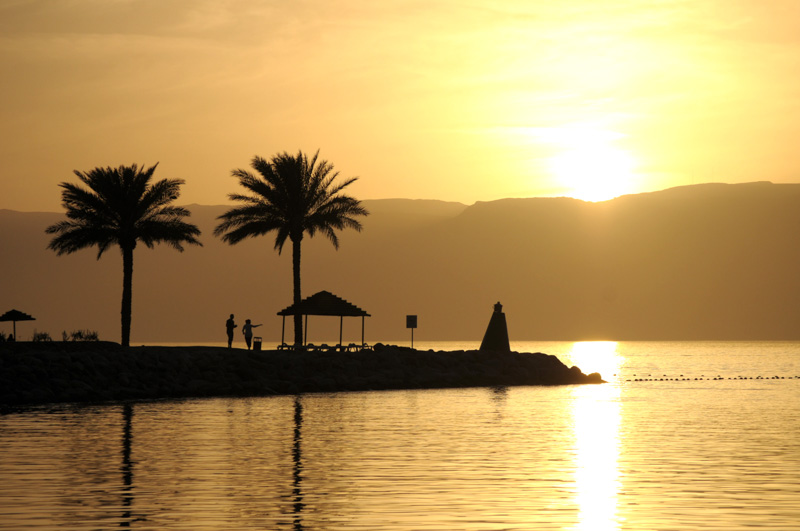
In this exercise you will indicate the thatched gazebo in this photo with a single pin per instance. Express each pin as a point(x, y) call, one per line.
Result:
point(323, 303)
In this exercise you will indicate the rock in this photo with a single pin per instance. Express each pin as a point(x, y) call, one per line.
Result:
point(36, 373)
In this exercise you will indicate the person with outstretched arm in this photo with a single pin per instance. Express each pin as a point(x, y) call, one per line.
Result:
point(247, 330)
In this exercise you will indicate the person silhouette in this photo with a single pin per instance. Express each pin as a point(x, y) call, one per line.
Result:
point(229, 326)
point(247, 330)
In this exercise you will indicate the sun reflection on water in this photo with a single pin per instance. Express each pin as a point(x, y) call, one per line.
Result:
point(596, 356)
point(596, 420)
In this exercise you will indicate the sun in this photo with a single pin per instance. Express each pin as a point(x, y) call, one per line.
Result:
point(594, 172)
point(587, 163)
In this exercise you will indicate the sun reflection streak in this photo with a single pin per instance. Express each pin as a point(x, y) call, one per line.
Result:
point(596, 420)
point(596, 356)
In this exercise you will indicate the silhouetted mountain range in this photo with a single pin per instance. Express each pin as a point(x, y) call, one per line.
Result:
point(712, 261)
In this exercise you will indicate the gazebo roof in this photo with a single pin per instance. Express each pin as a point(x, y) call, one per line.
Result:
point(16, 315)
point(324, 303)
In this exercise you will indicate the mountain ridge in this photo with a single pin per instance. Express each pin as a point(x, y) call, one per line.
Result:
point(710, 261)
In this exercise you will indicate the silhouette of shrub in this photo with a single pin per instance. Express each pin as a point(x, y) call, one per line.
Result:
point(80, 335)
point(41, 336)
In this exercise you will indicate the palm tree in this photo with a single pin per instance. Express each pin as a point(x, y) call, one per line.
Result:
point(293, 195)
point(121, 207)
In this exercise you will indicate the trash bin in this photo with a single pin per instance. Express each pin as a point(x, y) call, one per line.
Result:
point(256, 343)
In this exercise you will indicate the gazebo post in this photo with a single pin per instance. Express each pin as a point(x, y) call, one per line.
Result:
point(362, 331)
point(283, 330)
point(341, 318)
point(305, 332)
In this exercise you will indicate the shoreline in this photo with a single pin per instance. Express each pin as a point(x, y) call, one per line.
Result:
point(85, 372)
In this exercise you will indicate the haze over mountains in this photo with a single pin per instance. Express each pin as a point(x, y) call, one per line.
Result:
point(712, 261)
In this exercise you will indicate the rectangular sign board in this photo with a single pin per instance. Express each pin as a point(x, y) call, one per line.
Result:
point(411, 321)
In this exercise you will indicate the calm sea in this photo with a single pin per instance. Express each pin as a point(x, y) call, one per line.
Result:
point(700, 435)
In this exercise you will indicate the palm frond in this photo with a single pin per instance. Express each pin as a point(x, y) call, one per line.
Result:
point(291, 195)
point(119, 206)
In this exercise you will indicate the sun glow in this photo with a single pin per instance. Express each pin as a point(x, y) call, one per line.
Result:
point(589, 164)
point(594, 173)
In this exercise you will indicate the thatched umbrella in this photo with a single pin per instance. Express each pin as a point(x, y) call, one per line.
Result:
point(14, 316)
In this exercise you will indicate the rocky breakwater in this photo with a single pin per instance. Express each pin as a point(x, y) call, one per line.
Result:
point(40, 373)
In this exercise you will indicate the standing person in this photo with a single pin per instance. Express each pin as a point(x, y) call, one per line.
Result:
point(247, 330)
point(229, 326)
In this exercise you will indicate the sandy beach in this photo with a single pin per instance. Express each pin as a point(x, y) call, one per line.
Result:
point(58, 372)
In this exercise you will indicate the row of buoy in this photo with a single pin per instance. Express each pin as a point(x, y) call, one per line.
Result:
point(681, 378)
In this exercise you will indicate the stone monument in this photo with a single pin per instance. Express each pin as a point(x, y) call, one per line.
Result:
point(496, 337)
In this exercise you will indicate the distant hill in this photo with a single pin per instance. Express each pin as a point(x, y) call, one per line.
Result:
point(713, 261)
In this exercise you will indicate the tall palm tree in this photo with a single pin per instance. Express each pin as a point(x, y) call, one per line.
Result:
point(121, 207)
point(292, 195)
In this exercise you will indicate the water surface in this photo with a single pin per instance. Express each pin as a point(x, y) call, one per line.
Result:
point(684, 436)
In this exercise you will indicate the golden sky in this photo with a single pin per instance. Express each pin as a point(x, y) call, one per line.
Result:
point(463, 101)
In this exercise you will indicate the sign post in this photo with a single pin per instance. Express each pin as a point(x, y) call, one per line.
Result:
point(411, 322)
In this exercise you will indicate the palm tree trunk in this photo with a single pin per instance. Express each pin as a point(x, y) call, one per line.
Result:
point(127, 294)
point(298, 319)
